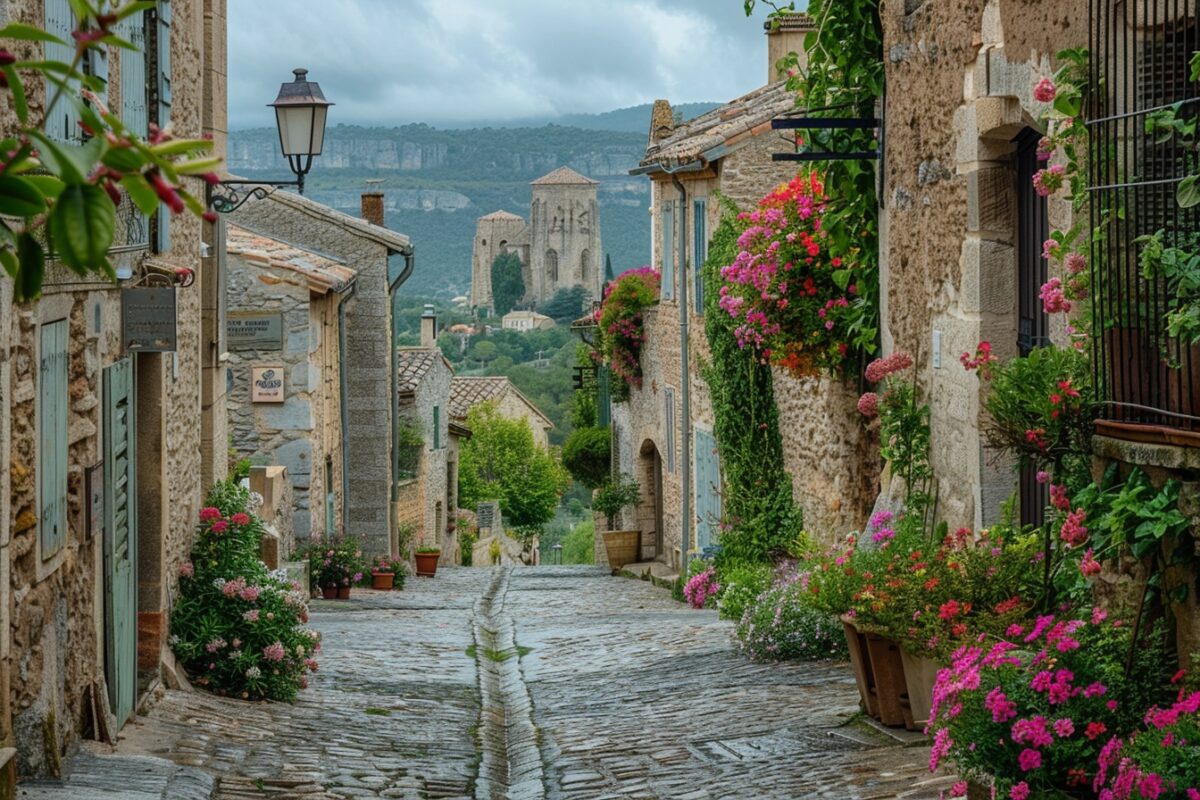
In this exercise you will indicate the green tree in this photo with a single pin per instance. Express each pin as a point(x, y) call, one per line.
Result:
point(483, 351)
point(508, 282)
point(609, 276)
point(587, 455)
point(502, 462)
point(567, 304)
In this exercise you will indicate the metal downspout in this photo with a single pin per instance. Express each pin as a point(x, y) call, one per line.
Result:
point(343, 393)
point(410, 260)
point(685, 370)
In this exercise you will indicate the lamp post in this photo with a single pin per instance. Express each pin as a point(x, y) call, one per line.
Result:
point(300, 113)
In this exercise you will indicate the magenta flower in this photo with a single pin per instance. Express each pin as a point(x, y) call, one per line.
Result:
point(220, 526)
point(868, 405)
point(1045, 91)
point(1029, 759)
point(209, 514)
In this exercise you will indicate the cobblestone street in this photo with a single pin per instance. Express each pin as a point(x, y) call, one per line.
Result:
point(526, 683)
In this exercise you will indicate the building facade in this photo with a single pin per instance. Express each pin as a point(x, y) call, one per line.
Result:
point(467, 392)
point(526, 321)
point(559, 248)
point(106, 452)
point(285, 364)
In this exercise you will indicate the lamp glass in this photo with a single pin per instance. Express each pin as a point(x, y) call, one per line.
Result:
point(295, 128)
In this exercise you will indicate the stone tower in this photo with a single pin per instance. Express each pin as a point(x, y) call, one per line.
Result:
point(564, 236)
point(496, 233)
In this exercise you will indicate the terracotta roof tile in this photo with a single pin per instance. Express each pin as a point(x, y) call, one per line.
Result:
point(321, 272)
point(412, 365)
point(466, 392)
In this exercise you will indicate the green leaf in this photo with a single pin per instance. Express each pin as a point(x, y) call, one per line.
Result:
point(48, 185)
point(27, 283)
point(1068, 104)
point(1188, 192)
point(20, 198)
point(59, 160)
point(82, 225)
point(144, 197)
point(20, 105)
point(124, 159)
point(177, 147)
point(27, 33)
point(82, 8)
point(842, 278)
point(129, 9)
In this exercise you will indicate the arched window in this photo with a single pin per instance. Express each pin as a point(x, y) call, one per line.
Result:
point(585, 267)
point(552, 266)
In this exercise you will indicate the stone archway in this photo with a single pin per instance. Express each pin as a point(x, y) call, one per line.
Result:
point(649, 512)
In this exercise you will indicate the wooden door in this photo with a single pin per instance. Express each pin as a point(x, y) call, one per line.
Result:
point(120, 538)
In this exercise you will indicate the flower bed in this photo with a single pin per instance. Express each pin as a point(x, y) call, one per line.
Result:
point(236, 627)
point(783, 624)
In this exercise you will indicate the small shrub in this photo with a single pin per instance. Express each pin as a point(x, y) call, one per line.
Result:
point(702, 588)
point(782, 624)
point(236, 627)
point(579, 546)
point(587, 455)
point(334, 562)
point(741, 583)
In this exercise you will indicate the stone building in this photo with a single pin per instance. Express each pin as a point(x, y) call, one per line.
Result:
point(559, 248)
point(468, 392)
point(526, 321)
point(106, 453)
point(282, 319)
point(430, 438)
point(725, 151)
point(370, 476)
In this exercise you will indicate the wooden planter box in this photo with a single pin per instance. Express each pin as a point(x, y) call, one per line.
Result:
point(879, 673)
point(920, 673)
point(622, 548)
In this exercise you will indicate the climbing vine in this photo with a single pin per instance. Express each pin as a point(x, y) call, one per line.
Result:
point(760, 515)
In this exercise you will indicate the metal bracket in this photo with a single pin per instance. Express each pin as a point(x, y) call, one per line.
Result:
point(228, 196)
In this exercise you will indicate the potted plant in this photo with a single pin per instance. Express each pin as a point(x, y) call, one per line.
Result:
point(610, 499)
point(427, 557)
point(388, 573)
point(335, 566)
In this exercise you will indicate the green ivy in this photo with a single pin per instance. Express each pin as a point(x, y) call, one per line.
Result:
point(757, 494)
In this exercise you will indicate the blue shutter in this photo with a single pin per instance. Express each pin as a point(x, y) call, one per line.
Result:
point(668, 250)
point(52, 437)
point(134, 106)
point(708, 489)
point(699, 252)
point(62, 121)
point(162, 44)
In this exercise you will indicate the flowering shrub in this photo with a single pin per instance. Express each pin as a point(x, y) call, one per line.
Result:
point(386, 565)
point(622, 330)
point(783, 624)
point(1033, 711)
point(702, 588)
point(1160, 761)
point(741, 583)
point(335, 562)
point(795, 302)
point(236, 627)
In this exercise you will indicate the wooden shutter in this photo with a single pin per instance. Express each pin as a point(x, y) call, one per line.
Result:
point(160, 83)
point(52, 437)
point(699, 252)
point(708, 489)
point(134, 91)
point(62, 122)
point(668, 250)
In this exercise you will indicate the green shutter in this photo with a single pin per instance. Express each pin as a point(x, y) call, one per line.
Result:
point(62, 121)
point(134, 91)
point(708, 489)
point(668, 250)
point(437, 427)
point(52, 437)
point(162, 106)
point(699, 252)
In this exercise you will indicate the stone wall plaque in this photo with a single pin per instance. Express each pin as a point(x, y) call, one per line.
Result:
point(254, 330)
point(266, 384)
point(148, 319)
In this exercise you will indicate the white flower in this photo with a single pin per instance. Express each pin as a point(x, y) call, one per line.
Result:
point(173, 640)
point(219, 583)
point(253, 672)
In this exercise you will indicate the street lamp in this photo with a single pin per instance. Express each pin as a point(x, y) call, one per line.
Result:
point(300, 113)
point(557, 548)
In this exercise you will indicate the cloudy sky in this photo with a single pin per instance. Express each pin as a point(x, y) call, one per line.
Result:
point(392, 62)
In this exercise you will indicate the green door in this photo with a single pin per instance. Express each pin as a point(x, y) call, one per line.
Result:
point(120, 539)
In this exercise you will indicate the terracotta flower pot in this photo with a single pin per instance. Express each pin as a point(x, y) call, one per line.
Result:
point(329, 592)
point(343, 593)
point(427, 563)
point(383, 581)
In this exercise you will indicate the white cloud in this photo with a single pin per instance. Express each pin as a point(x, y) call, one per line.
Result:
point(392, 62)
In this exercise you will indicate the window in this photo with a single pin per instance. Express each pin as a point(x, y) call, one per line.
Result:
point(52, 437)
point(699, 252)
point(668, 250)
point(437, 427)
point(669, 424)
point(552, 267)
point(1033, 228)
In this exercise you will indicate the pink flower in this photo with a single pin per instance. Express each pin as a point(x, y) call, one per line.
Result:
point(187, 569)
point(249, 594)
point(1029, 759)
point(209, 514)
point(220, 526)
point(1075, 263)
point(1020, 791)
point(1064, 727)
point(1073, 532)
point(1044, 91)
point(1049, 180)
point(240, 518)
point(880, 368)
point(1043, 476)
point(251, 615)
point(1054, 299)
point(274, 652)
point(1089, 565)
point(868, 404)
point(959, 789)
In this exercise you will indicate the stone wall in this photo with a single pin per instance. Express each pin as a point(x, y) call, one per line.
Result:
point(427, 502)
point(494, 234)
point(367, 361)
point(57, 623)
point(512, 406)
point(960, 80)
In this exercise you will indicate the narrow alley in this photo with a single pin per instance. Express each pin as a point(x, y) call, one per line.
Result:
point(556, 682)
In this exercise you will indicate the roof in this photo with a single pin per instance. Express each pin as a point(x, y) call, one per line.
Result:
point(322, 273)
point(562, 176)
point(413, 364)
point(524, 315)
point(502, 215)
point(466, 392)
point(712, 134)
point(394, 242)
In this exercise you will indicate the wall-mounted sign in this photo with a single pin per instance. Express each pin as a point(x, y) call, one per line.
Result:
point(254, 330)
point(266, 384)
point(148, 319)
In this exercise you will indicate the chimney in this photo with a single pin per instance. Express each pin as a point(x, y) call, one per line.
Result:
point(786, 34)
point(662, 121)
point(428, 326)
point(372, 205)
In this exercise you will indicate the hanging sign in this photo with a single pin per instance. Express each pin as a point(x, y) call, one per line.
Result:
point(148, 319)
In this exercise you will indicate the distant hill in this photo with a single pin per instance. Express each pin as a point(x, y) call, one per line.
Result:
point(438, 182)
point(634, 119)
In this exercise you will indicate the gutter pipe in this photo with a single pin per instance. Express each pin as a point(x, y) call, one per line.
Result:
point(410, 261)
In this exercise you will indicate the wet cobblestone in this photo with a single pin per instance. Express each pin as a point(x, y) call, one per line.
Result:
point(592, 687)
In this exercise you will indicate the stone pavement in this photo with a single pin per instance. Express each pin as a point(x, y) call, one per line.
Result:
point(548, 682)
